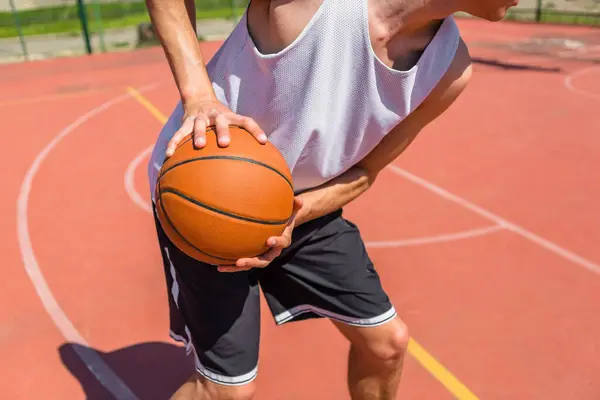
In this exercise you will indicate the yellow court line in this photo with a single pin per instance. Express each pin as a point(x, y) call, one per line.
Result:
point(423, 357)
point(435, 368)
point(147, 105)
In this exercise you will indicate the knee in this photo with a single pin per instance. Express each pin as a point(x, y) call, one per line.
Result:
point(390, 347)
point(215, 391)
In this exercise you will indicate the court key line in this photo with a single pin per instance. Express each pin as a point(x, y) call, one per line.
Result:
point(129, 179)
point(138, 199)
point(535, 238)
point(92, 360)
point(441, 238)
point(110, 380)
point(568, 82)
point(427, 361)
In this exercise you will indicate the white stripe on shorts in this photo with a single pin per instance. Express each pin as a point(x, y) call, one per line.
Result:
point(304, 308)
point(212, 376)
point(202, 370)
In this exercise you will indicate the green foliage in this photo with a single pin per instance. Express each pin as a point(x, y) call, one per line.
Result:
point(65, 19)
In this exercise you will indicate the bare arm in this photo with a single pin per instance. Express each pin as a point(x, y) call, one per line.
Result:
point(175, 26)
point(357, 180)
point(332, 195)
point(174, 22)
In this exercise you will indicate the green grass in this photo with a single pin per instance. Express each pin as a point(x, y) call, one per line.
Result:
point(65, 19)
point(555, 17)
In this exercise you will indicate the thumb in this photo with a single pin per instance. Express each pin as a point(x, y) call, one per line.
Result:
point(298, 203)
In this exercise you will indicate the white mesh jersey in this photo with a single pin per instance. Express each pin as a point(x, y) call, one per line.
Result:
point(326, 100)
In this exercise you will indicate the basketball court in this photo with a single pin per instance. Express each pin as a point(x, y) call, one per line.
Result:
point(485, 233)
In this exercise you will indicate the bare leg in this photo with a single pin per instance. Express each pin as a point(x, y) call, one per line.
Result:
point(376, 359)
point(189, 390)
point(199, 388)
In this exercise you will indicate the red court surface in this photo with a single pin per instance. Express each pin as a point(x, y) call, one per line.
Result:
point(485, 233)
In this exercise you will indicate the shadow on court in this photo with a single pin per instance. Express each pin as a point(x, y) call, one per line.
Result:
point(513, 66)
point(152, 370)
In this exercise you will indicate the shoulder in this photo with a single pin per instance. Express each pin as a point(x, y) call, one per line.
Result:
point(456, 78)
point(449, 88)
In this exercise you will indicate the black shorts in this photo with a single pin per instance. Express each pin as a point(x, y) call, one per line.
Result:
point(326, 272)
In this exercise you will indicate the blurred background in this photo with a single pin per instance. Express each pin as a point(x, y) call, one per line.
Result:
point(485, 232)
point(37, 29)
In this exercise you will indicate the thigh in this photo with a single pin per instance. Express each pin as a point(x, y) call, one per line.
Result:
point(327, 273)
point(216, 315)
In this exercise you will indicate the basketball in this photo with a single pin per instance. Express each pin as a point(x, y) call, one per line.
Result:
point(220, 204)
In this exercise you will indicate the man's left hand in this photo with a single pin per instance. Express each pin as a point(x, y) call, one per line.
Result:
point(277, 244)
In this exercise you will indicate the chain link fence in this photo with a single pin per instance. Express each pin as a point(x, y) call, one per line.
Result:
point(572, 12)
point(33, 29)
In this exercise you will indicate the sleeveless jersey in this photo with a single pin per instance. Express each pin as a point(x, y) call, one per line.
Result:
point(326, 100)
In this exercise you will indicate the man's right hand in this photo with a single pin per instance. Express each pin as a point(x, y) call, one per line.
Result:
point(202, 114)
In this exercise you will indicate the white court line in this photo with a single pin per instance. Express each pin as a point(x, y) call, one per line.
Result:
point(448, 237)
point(547, 244)
point(130, 180)
point(568, 82)
point(501, 223)
point(103, 373)
point(135, 196)
point(93, 361)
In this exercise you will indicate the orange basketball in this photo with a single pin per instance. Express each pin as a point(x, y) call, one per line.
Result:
point(219, 204)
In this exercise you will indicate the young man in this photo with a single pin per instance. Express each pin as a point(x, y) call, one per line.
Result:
point(341, 88)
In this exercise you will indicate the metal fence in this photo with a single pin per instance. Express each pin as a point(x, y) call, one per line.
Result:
point(58, 27)
point(572, 12)
point(33, 29)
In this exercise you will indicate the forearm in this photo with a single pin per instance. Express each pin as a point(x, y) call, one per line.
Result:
point(174, 22)
point(333, 195)
point(358, 179)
